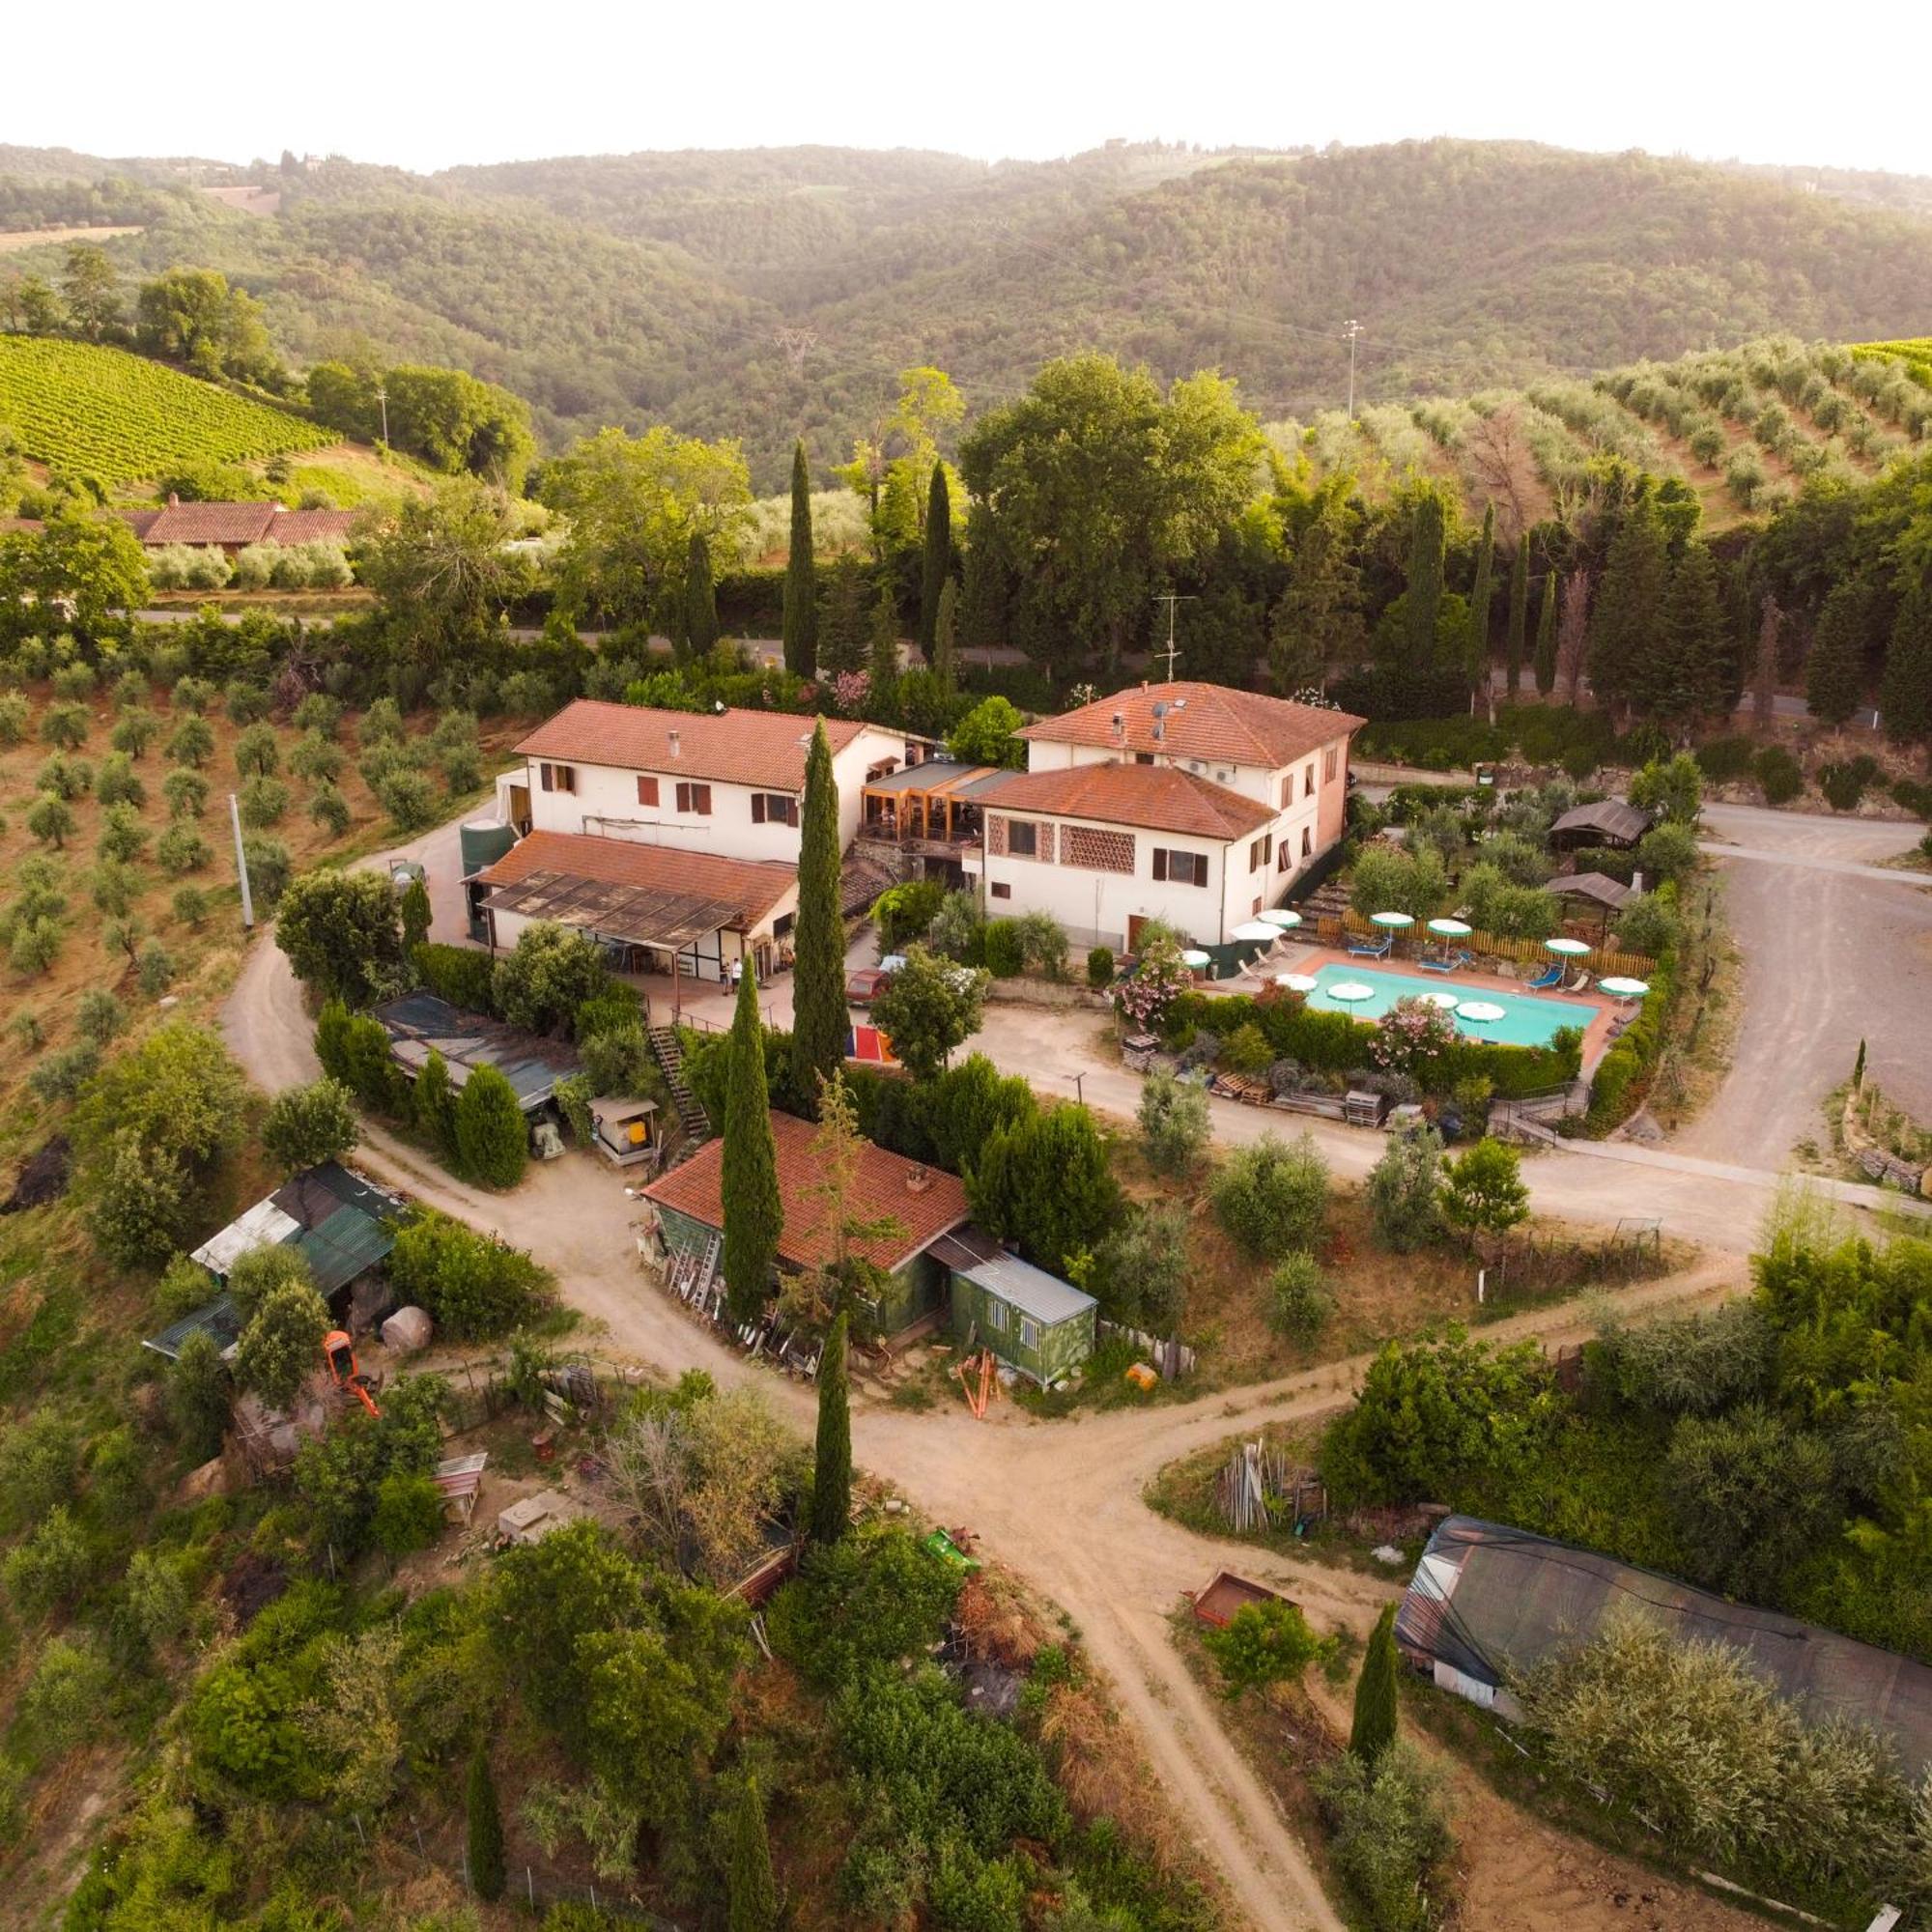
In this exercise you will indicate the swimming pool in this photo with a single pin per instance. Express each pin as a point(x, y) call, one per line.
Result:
point(1527, 1021)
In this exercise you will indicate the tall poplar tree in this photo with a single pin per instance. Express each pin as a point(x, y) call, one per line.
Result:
point(832, 1463)
point(1374, 1728)
point(1519, 617)
point(801, 586)
point(936, 566)
point(1627, 623)
point(1424, 581)
point(819, 1020)
point(700, 597)
point(1904, 691)
point(749, 1185)
point(1481, 599)
point(1546, 636)
point(1686, 677)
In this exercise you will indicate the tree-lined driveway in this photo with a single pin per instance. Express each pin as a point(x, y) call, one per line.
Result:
point(1837, 948)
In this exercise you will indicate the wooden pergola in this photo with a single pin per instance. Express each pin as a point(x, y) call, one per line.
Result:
point(922, 801)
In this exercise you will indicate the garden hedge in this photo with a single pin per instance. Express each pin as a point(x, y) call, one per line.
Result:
point(1623, 1075)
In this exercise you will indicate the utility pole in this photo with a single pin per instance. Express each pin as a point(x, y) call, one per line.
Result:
point(1171, 598)
point(382, 397)
point(1351, 330)
point(242, 866)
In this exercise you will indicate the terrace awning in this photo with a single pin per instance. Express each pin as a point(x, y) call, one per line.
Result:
point(636, 915)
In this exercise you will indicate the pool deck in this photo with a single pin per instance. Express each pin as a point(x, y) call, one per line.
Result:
point(1464, 982)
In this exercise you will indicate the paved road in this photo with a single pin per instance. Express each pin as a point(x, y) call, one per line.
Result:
point(1835, 950)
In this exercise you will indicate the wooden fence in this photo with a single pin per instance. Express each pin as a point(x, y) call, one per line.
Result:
point(1600, 960)
point(1173, 1358)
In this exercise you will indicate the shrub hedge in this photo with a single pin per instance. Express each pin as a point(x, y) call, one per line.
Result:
point(458, 974)
point(1328, 1042)
point(1623, 1074)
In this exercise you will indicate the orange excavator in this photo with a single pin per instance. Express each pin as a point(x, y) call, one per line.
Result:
point(351, 1384)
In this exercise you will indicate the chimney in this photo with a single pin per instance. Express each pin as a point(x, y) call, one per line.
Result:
point(676, 744)
point(174, 502)
point(918, 1179)
point(1119, 727)
point(1636, 882)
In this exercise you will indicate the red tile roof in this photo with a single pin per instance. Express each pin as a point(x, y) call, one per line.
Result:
point(753, 885)
point(210, 524)
point(140, 522)
point(1201, 720)
point(1158, 797)
point(751, 747)
point(293, 526)
point(879, 1190)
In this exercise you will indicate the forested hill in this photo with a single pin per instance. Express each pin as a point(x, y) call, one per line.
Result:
point(759, 293)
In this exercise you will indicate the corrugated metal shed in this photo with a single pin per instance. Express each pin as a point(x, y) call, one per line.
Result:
point(419, 1021)
point(1486, 1597)
point(221, 1319)
point(1032, 1291)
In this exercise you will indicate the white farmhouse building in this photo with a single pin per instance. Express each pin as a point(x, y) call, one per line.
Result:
point(1190, 802)
point(670, 837)
point(725, 782)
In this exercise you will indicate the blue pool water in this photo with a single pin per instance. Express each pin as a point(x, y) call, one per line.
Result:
point(1527, 1021)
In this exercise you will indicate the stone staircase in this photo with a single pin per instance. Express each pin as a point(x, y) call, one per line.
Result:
point(669, 1057)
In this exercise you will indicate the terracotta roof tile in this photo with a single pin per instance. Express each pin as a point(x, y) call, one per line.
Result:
point(295, 527)
point(210, 524)
point(1158, 797)
point(879, 1190)
point(140, 522)
point(1201, 720)
point(753, 747)
point(753, 885)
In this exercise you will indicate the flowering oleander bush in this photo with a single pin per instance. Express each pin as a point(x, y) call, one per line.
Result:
point(1413, 1037)
point(1157, 981)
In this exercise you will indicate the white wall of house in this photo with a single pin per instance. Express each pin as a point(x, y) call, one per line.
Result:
point(603, 802)
point(715, 953)
point(1097, 905)
point(1328, 767)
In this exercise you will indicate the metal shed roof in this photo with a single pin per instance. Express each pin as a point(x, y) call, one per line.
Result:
point(1033, 1292)
point(638, 915)
point(934, 774)
point(1487, 1596)
point(419, 1021)
point(1613, 817)
point(221, 1319)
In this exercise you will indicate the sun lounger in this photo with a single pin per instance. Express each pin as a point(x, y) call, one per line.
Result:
point(1580, 984)
point(1379, 948)
point(1550, 975)
point(1449, 963)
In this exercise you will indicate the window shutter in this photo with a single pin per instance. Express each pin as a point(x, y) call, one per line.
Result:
point(757, 808)
point(1160, 862)
point(648, 791)
point(544, 777)
point(683, 796)
point(700, 799)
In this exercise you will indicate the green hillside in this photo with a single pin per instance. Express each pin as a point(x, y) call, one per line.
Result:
point(765, 292)
point(120, 417)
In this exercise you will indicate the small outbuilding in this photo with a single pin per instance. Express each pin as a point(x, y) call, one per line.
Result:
point(1612, 822)
point(419, 1024)
point(1033, 1320)
point(1597, 887)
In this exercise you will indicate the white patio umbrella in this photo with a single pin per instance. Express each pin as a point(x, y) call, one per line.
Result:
point(1194, 959)
point(1297, 983)
point(1479, 1012)
point(1625, 989)
point(1394, 922)
point(1349, 991)
point(1446, 1001)
point(1451, 928)
point(1253, 932)
point(1281, 918)
point(1571, 948)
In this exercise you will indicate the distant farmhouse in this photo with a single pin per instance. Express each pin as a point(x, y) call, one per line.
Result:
point(229, 527)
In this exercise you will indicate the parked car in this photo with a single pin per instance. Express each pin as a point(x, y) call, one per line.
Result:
point(862, 987)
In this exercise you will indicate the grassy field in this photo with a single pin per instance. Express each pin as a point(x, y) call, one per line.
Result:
point(108, 414)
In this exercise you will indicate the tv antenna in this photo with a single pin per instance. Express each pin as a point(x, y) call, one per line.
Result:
point(1171, 598)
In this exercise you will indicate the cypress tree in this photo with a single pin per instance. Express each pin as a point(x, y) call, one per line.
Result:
point(492, 1142)
point(1687, 675)
point(1374, 1728)
point(1904, 691)
point(800, 590)
point(416, 915)
point(1519, 616)
point(434, 1106)
point(1545, 638)
point(752, 1894)
point(839, 627)
point(832, 1462)
point(983, 585)
point(1481, 599)
point(749, 1188)
point(819, 1020)
point(936, 565)
point(486, 1831)
point(1835, 669)
point(882, 661)
point(700, 597)
point(1424, 581)
point(945, 639)
point(1627, 624)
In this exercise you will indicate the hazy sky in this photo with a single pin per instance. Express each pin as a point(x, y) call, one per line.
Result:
point(427, 86)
